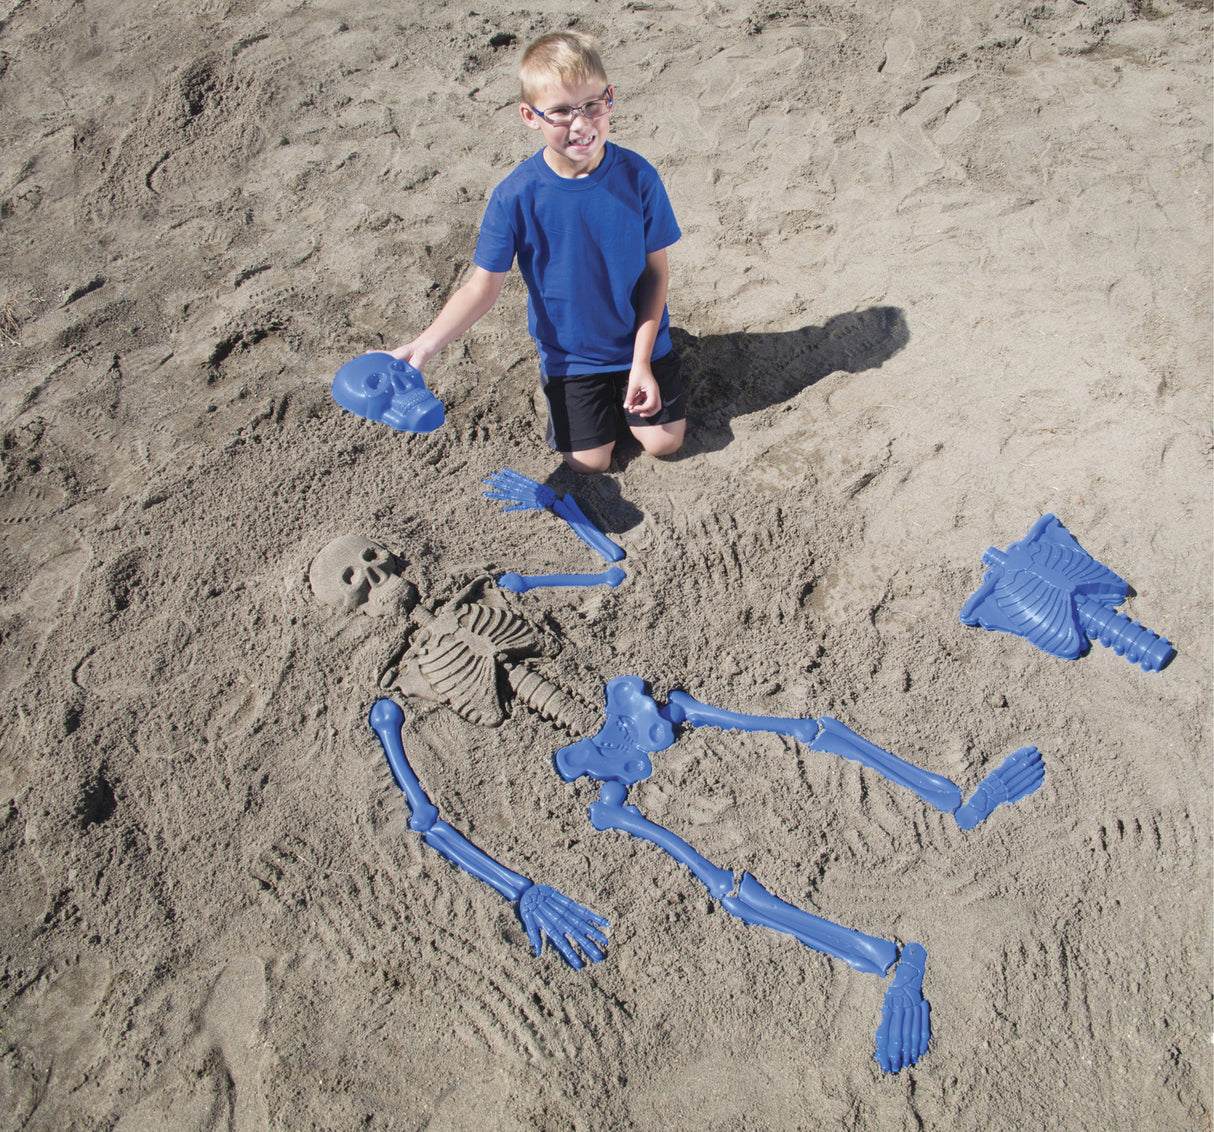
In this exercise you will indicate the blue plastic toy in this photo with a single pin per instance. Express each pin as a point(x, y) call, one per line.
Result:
point(1047, 589)
point(527, 495)
point(618, 756)
point(382, 388)
point(520, 584)
point(544, 912)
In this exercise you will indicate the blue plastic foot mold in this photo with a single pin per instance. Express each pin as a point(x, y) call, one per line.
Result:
point(521, 583)
point(1047, 589)
point(905, 1029)
point(526, 494)
point(382, 388)
point(544, 912)
point(1018, 776)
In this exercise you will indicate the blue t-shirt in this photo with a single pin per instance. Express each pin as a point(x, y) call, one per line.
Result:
point(581, 244)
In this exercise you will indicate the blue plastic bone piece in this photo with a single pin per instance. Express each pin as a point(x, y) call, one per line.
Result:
point(756, 905)
point(825, 734)
point(526, 494)
point(1018, 776)
point(632, 731)
point(520, 583)
point(1047, 589)
point(905, 1028)
point(543, 911)
point(379, 387)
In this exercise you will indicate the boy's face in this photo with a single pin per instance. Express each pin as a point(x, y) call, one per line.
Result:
point(575, 149)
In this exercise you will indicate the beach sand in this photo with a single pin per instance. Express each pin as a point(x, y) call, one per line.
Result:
point(944, 269)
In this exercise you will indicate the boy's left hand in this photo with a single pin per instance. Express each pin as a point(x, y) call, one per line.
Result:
point(642, 396)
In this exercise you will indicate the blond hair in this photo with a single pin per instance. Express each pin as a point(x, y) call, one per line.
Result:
point(562, 57)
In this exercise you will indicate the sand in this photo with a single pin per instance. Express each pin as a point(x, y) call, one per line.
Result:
point(944, 269)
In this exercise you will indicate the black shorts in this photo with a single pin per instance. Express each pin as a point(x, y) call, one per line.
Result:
point(587, 410)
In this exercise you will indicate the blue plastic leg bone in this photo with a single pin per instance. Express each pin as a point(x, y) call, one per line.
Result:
point(905, 1026)
point(521, 584)
point(1020, 774)
point(526, 494)
point(1047, 589)
point(383, 388)
point(543, 911)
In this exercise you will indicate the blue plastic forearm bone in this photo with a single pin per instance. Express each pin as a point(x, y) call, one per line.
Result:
point(522, 583)
point(526, 494)
point(544, 912)
point(1047, 589)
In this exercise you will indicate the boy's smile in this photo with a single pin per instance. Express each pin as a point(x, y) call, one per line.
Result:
point(572, 150)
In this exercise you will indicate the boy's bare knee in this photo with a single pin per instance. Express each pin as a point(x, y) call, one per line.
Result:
point(661, 440)
point(590, 461)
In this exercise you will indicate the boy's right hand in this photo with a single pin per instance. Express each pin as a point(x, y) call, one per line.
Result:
point(410, 352)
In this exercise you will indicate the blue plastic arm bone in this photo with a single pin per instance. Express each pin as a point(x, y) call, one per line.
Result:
point(520, 583)
point(542, 910)
point(1018, 776)
point(906, 1027)
point(568, 510)
point(825, 734)
point(1047, 589)
point(383, 388)
point(526, 494)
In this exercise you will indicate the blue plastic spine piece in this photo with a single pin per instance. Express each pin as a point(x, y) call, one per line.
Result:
point(1125, 637)
point(934, 789)
point(756, 905)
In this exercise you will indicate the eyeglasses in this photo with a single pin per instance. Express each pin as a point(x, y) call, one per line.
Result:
point(564, 115)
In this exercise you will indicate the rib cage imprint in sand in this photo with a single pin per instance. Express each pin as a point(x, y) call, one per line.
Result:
point(456, 655)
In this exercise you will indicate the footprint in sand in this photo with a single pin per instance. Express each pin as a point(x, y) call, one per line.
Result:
point(900, 47)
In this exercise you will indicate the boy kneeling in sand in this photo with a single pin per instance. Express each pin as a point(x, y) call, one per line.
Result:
point(589, 223)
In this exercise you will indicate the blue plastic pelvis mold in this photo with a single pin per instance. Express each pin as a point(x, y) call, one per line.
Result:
point(1047, 589)
point(383, 388)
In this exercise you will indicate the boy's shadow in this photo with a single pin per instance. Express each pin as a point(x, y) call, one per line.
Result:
point(729, 375)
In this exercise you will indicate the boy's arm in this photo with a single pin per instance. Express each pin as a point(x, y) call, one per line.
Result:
point(642, 396)
point(461, 311)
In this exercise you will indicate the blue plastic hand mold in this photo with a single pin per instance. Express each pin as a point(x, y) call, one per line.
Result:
point(526, 494)
point(521, 583)
point(382, 388)
point(1047, 589)
point(905, 1026)
point(544, 912)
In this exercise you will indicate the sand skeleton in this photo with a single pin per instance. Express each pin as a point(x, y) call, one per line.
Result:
point(455, 657)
